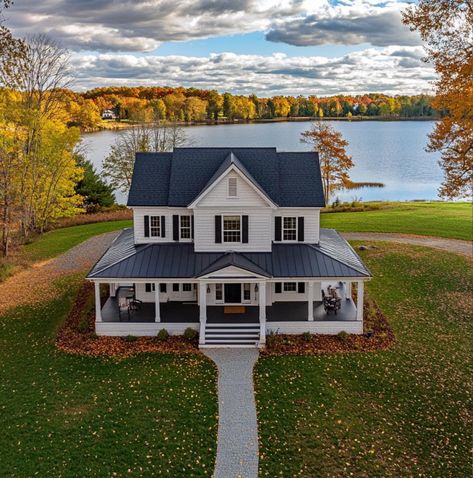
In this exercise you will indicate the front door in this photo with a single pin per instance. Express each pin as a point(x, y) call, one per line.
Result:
point(232, 293)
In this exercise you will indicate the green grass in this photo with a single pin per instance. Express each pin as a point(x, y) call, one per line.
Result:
point(397, 413)
point(63, 415)
point(58, 241)
point(452, 220)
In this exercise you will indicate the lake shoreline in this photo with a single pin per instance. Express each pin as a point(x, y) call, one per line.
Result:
point(112, 125)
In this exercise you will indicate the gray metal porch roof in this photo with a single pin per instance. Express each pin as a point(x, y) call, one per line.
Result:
point(332, 257)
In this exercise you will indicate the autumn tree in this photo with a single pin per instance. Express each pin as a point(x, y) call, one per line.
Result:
point(335, 163)
point(117, 167)
point(446, 26)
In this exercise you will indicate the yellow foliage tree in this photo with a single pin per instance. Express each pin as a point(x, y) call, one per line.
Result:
point(447, 28)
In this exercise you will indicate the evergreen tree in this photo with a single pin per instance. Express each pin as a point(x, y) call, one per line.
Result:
point(95, 191)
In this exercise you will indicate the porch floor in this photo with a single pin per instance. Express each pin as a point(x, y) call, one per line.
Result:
point(175, 312)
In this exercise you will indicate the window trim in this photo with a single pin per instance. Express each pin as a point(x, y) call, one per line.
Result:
point(184, 239)
point(187, 284)
point(296, 229)
point(159, 227)
point(223, 228)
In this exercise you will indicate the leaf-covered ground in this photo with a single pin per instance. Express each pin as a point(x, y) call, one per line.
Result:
point(398, 413)
point(71, 416)
point(442, 219)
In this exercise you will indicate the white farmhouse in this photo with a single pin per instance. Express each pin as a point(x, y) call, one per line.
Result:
point(227, 241)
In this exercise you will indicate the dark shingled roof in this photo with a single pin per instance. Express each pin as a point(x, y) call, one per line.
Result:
point(178, 260)
point(177, 178)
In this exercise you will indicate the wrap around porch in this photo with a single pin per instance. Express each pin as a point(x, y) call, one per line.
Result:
point(181, 311)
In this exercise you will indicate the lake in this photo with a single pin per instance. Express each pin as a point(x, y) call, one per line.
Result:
point(391, 152)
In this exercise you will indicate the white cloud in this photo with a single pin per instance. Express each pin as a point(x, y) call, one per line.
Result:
point(394, 70)
point(128, 25)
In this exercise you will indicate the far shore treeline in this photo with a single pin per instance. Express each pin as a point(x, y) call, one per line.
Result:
point(143, 104)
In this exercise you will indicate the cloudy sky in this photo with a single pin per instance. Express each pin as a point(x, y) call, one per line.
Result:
point(265, 47)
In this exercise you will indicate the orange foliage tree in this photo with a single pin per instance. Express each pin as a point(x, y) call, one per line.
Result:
point(447, 28)
point(334, 160)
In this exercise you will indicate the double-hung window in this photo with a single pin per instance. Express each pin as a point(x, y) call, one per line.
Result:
point(185, 227)
point(231, 229)
point(155, 226)
point(289, 229)
point(218, 292)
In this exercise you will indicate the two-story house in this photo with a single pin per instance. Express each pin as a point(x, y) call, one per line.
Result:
point(228, 241)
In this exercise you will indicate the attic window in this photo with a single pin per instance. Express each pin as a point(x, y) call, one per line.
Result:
point(232, 187)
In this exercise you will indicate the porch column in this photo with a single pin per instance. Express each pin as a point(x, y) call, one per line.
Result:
point(348, 290)
point(359, 300)
point(157, 308)
point(262, 312)
point(310, 300)
point(202, 311)
point(98, 305)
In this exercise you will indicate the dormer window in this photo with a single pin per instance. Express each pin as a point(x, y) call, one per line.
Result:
point(232, 187)
point(289, 229)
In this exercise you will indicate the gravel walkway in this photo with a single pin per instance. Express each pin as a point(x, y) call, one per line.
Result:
point(39, 278)
point(450, 245)
point(237, 447)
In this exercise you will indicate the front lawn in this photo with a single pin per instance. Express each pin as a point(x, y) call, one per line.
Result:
point(71, 416)
point(397, 413)
point(452, 220)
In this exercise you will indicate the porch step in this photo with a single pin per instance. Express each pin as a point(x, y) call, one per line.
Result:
point(232, 335)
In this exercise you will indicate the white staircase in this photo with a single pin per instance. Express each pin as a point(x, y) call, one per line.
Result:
point(231, 335)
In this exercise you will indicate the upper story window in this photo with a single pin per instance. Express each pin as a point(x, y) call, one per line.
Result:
point(185, 227)
point(289, 229)
point(231, 229)
point(232, 188)
point(155, 226)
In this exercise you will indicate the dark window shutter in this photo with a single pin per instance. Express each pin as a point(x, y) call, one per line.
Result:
point(146, 226)
point(175, 227)
point(300, 229)
point(277, 228)
point(162, 288)
point(163, 226)
point(218, 229)
point(192, 227)
point(244, 236)
point(301, 287)
point(278, 287)
point(148, 287)
point(175, 287)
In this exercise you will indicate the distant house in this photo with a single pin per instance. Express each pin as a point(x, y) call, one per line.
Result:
point(227, 241)
point(109, 115)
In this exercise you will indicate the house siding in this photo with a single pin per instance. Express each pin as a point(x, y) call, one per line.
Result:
point(139, 214)
point(259, 229)
point(311, 222)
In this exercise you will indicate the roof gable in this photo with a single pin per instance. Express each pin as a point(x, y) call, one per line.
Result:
point(176, 179)
point(229, 165)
